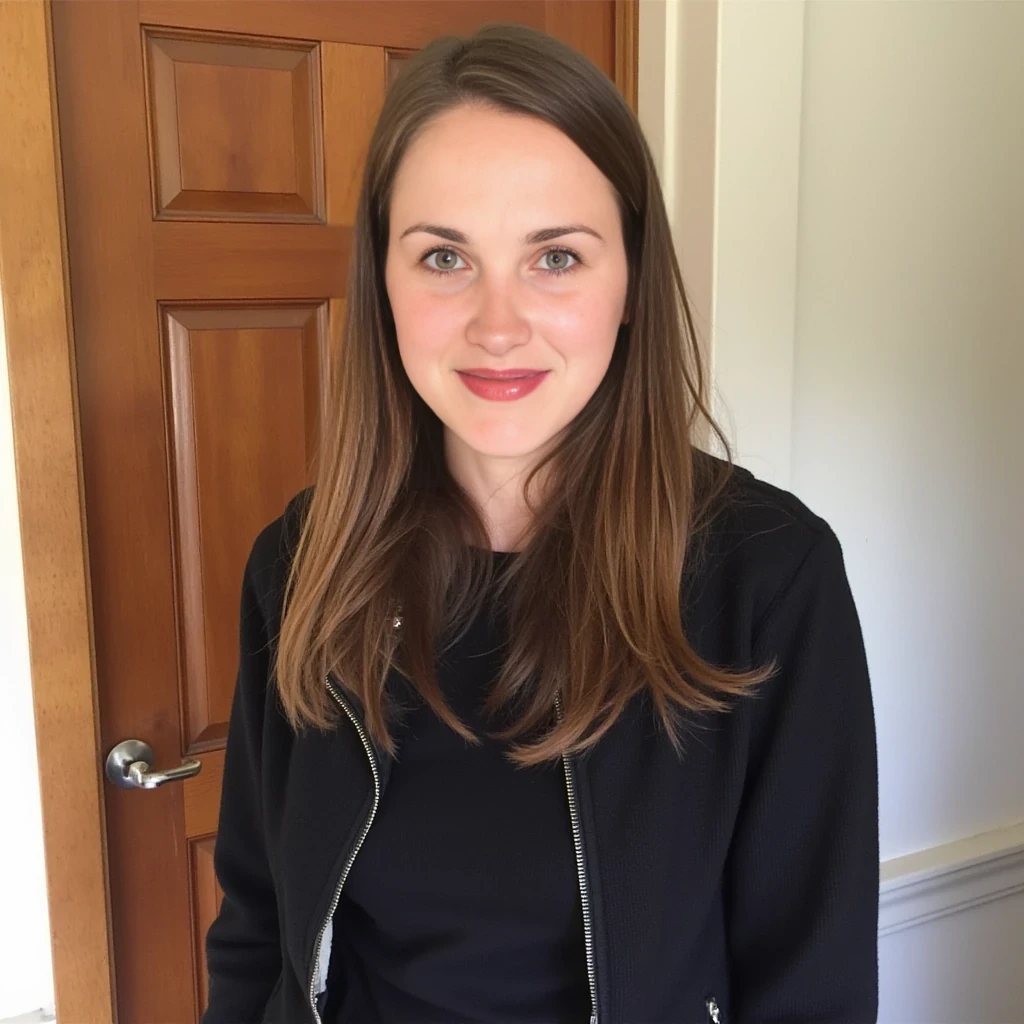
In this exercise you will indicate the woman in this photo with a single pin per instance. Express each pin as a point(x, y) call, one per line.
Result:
point(543, 713)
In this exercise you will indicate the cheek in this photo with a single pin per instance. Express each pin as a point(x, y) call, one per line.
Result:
point(422, 344)
point(584, 331)
point(423, 325)
point(587, 344)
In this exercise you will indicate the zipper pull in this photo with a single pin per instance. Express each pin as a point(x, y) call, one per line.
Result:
point(714, 1013)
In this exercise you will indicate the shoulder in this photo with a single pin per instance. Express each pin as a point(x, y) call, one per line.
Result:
point(756, 539)
point(753, 543)
point(271, 553)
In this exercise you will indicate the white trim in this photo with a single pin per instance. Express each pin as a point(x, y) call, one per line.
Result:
point(756, 250)
point(677, 98)
point(721, 101)
point(40, 1016)
point(945, 879)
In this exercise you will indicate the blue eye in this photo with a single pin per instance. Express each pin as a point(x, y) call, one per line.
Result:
point(557, 272)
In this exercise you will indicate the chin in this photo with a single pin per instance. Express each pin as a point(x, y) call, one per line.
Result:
point(517, 450)
point(488, 444)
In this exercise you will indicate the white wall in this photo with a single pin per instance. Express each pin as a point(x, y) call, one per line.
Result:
point(867, 321)
point(909, 366)
point(26, 974)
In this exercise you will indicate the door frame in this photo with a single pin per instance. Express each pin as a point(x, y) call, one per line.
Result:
point(38, 330)
point(41, 371)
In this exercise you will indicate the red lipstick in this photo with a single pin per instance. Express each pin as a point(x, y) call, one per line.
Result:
point(501, 385)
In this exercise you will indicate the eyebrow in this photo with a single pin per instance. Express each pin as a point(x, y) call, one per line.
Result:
point(544, 235)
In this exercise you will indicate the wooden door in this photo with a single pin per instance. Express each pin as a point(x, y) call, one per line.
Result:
point(212, 156)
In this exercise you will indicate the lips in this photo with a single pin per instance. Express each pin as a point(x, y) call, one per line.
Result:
point(507, 387)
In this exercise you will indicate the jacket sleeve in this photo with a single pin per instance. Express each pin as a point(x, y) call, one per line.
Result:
point(803, 868)
point(243, 950)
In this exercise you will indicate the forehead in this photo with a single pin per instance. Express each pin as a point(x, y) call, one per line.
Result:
point(488, 164)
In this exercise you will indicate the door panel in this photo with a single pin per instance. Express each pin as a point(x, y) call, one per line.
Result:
point(234, 128)
point(212, 156)
point(245, 404)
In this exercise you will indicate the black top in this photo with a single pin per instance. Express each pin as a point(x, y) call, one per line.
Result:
point(463, 904)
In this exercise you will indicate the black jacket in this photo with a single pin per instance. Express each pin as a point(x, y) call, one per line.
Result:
point(738, 884)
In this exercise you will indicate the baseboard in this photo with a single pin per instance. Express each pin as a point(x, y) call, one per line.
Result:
point(945, 879)
point(41, 1016)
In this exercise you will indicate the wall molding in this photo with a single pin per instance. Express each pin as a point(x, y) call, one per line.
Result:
point(945, 879)
point(43, 1015)
point(677, 105)
point(758, 101)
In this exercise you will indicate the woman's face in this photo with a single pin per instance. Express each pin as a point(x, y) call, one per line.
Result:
point(470, 288)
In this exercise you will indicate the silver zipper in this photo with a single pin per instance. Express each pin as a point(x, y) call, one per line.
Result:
point(581, 870)
point(352, 856)
point(714, 1013)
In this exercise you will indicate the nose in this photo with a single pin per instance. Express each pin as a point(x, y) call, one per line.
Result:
point(499, 323)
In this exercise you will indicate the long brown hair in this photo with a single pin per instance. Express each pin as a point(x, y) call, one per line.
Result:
point(593, 598)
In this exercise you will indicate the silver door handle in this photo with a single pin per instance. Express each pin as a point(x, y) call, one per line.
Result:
point(128, 766)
